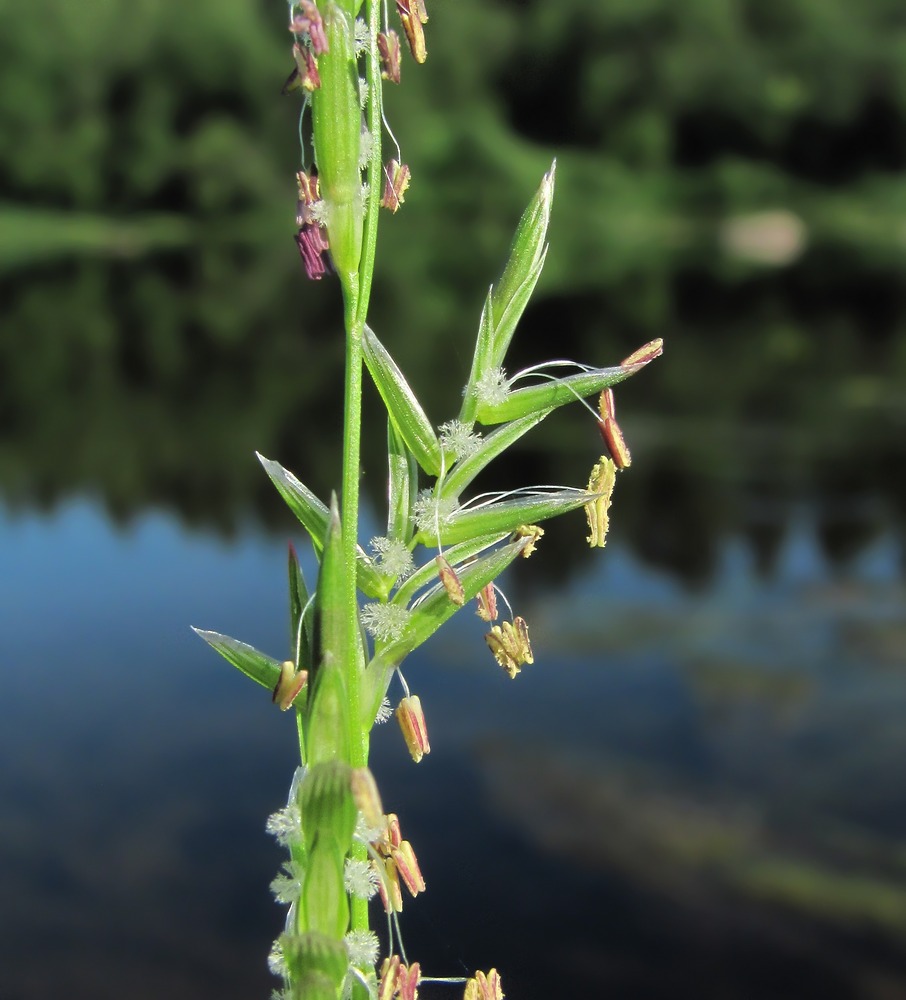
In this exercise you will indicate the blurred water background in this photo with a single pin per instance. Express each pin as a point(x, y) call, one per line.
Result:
point(697, 790)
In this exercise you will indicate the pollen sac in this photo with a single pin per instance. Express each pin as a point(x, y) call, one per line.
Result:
point(313, 246)
point(390, 974)
point(413, 15)
point(407, 865)
point(610, 431)
point(616, 445)
point(394, 859)
point(394, 836)
point(289, 686)
point(606, 406)
point(311, 238)
point(600, 483)
point(398, 980)
point(388, 43)
point(450, 579)
point(647, 352)
point(307, 21)
point(484, 987)
point(530, 531)
point(408, 981)
point(366, 796)
point(487, 603)
point(510, 645)
point(523, 646)
point(306, 68)
point(389, 885)
point(396, 184)
point(309, 196)
point(411, 718)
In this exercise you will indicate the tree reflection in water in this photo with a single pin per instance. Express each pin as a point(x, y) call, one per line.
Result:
point(733, 816)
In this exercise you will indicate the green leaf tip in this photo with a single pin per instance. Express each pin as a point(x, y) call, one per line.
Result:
point(506, 301)
point(262, 669)
point(311, 512)
point(527, 250)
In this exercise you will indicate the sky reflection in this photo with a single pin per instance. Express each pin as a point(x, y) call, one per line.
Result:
point(671, 754)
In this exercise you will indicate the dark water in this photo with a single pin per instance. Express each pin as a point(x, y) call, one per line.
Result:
point(695, 791)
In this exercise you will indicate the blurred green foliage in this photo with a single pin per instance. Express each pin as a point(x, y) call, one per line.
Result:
point(123, 108)
point(656, 84)
point(157, 105)
point(666, 119)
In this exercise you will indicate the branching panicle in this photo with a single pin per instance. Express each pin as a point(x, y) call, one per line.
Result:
point(343, 848)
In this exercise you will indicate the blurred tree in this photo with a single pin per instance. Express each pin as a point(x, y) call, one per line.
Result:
point(163, 105)
point(657, 84)
point(142, 106)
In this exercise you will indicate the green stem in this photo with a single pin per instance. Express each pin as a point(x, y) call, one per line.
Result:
point(356, 312)
point(356, 296)
point(349, 514)
point(375, 167)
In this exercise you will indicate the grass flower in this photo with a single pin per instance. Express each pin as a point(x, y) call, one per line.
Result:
point(459, 438)
point(450, 581)
point(347, 629)
point(484, 987)
point(487, 603)
point(510, 645)
point(287, 886)
point(600, 486)
point(306, 21)
point(413, 16)
point(276, 960)
point(533, 533)
point(396, 183)
point(411, 718)
point(289, 686)
point(492, 387)
point(610, 431)
point(389, 48)
point(363, 948)
point(286, 825)
point(386, 622)
point(360, 879)
point(431, 511)
point(392, 557)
